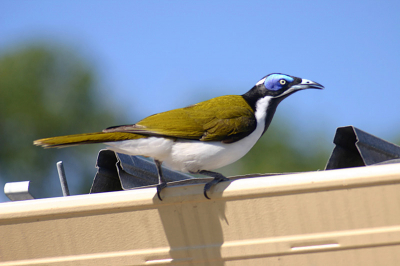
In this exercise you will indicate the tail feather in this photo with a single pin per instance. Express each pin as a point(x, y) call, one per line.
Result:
point(87, 138)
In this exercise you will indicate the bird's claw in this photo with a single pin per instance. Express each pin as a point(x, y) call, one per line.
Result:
point(159, 188)
point(213, 182)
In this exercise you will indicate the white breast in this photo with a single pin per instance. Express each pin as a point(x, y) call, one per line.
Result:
point(191, 155)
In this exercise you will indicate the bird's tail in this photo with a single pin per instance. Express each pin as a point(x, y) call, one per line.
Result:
point(87, 138)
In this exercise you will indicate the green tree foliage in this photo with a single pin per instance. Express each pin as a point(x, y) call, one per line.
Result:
point(46, 92)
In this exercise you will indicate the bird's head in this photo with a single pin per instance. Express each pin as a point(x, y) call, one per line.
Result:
point(280, 85)
point(277, 87)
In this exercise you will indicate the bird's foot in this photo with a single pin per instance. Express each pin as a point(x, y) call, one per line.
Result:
point(160, 187)
point(217, 178)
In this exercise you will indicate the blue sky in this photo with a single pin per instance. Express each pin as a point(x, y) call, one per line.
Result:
point(153, 56)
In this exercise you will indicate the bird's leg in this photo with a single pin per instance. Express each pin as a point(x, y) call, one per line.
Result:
point(161, 181)
point(217, 178)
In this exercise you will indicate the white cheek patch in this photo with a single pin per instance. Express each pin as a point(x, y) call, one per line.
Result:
point(261, 111)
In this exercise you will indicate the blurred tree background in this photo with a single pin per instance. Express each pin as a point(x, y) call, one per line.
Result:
point(48, 91)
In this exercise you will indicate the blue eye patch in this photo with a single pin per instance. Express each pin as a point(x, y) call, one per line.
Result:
point(272, 82)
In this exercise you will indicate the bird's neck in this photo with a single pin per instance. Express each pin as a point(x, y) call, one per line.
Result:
point(264, 106)
point(270, 111)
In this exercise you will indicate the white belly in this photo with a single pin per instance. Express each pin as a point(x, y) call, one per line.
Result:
point(187, 155)
point(193, 156)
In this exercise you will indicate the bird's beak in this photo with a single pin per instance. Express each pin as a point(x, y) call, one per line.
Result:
point(308, 84)
point(303, 85)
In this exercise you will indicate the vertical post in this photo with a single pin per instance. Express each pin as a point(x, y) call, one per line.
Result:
point(63, 178)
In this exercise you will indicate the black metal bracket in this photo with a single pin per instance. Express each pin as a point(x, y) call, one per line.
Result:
point(118, 171)
point(355, 147)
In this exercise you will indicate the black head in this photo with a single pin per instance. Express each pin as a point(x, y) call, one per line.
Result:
point(278, 86)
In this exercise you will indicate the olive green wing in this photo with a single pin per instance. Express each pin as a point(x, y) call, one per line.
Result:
point(230, 125)
point(225, 118)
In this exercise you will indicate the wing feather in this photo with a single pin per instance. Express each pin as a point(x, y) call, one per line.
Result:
point(225, 118)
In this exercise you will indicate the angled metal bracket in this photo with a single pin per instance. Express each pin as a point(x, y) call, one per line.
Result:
point(118, 171)
point(355, 147)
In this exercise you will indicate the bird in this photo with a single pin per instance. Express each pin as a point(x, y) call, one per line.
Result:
point(199, 138)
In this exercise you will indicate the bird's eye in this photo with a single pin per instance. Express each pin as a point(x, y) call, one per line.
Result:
point(282, 82)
